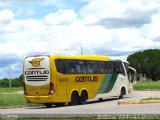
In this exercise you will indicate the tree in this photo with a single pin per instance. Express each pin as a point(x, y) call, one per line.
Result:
point(21, 79)
point(16, 82)
point(146, 62)
point(4, 82)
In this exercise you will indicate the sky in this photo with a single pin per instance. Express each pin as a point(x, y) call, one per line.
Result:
point(115, 28)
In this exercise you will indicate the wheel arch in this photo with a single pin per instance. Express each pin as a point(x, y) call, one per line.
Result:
point(85, 90)
point(123, 89)
point(74, 90)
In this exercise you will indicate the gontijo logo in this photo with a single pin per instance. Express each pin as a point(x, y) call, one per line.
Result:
point(36, 62)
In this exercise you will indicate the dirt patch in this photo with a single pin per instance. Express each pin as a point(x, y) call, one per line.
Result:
point(17, 92)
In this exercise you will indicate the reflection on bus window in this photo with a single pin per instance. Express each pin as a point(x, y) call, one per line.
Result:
point(89, 67)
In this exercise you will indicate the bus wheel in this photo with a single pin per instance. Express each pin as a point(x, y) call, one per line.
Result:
point(74, 99)
point(48, 105)
point(123, 92)
point(83, 98)
point(100, 99)
point(59, 104)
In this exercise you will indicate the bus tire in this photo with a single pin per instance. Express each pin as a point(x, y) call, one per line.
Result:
point(123, 92)
point(74, 98)
point(59, 104)
point(100, 99)
point(83, 98)
point(48, 105)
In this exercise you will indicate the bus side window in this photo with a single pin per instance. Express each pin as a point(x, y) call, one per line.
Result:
point(60, 65)
point(69, 67)
point(73, 67)
point(118, 68)
point(84, 68)
point(79, 66)
point(90, 67)
point(108, 67)
point(100, 69)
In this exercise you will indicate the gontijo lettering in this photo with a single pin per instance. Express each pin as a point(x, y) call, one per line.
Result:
point(38, 72)
point(86, 79)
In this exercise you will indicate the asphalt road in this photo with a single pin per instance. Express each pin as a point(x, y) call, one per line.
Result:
point(92, 108)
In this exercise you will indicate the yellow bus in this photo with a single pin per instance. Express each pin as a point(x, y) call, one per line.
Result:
point(58, 79)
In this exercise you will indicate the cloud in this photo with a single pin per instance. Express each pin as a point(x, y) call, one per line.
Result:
point(123, 22)
point(101, 27)
point(5, 17)
point(119, 13)
point(66, 4)
point(12, 63)
point(17, 1)
point(57, 3)
point(27, 12)
point(61, 17)
point(51, 35)
point(154, 27)
point(7, 60)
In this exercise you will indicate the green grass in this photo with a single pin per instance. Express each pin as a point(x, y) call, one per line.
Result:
point(13, 89)
point(18, 99)
point(151, 85)
point(9, 97)
point(12, 100)
point(60, 118)
point(156, 98)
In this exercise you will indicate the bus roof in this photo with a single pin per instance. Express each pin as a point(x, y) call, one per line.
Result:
point(81, 57)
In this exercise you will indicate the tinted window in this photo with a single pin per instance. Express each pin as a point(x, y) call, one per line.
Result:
point(90, 67)
point(108, 67)
point(60, 66)
point(118, 68)
point(101, 68)
point(73, 67)
point(76, 66)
